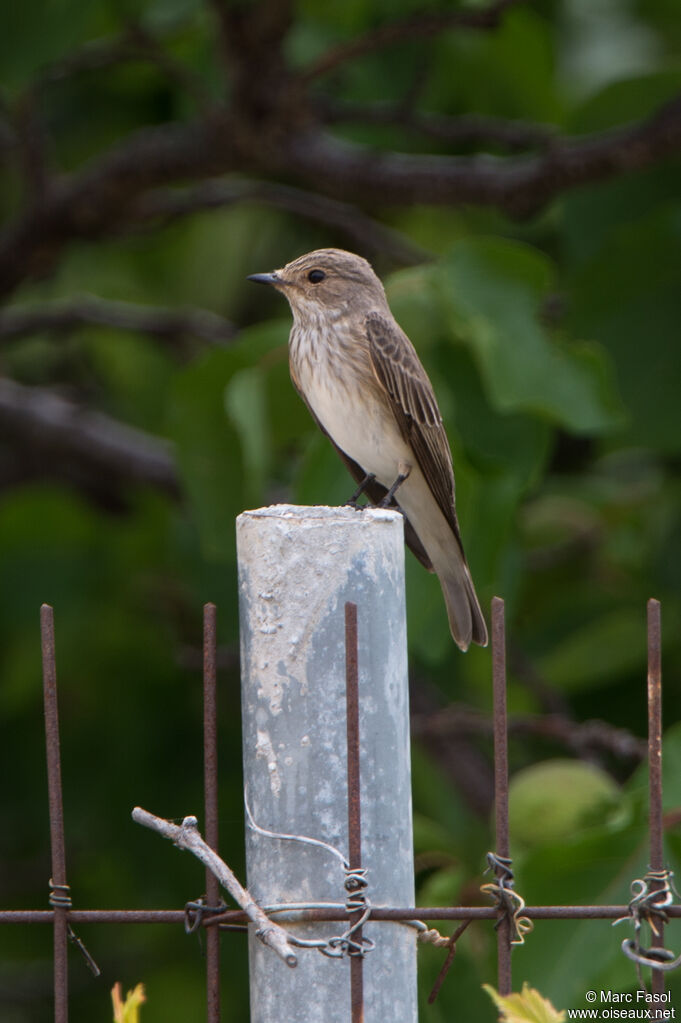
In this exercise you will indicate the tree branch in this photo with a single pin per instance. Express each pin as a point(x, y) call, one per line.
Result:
point(59, 432)
point(96, 200)
point(104, 196)
point(580, 737)
point(519, 185)
point(369, 234)
point(32, 145)
point(251, 36)
point(468, 130)
point(135, 42)
point(171, 325)
point(421, 25)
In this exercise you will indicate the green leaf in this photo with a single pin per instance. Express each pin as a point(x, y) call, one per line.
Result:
point(598, 653)
point(526, 1007)
point(508, 72)
point(127, 1011)
point(628, 295)
point(38, 33)
point(209, 452)
point(245, 403)
point(491, 292)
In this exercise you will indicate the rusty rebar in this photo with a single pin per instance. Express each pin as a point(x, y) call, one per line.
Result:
point(655, 822)
point(60, 916)
point(54, 790)
point(394, 913)
point(501, 782)
point(210, 785)
point(354, 795)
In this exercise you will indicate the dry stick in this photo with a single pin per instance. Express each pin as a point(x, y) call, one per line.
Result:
point(187, 836)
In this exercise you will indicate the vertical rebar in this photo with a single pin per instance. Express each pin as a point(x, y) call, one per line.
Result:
point(210, 784)
point(354, 801)
point(54, 788)
point(655, 765)
point(501, 780)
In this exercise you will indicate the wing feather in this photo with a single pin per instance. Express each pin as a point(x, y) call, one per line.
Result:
point(399, 370)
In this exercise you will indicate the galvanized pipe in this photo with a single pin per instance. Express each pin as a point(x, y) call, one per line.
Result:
point(298, 568)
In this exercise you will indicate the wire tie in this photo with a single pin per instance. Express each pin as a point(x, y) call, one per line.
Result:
point(355, 884)
point(60, 898)
point(651, 897)
point(195, 911)
point(60, 895)
point(507, 899)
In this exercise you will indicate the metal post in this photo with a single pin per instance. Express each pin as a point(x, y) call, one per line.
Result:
point(60, 894)
point(298, 567)
point(656, 823)
point(501, 780)
point(210, 788)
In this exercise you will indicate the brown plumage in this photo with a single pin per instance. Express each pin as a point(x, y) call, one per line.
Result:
point(362, 380)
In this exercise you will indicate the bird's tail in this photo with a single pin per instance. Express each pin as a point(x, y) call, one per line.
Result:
point(466, 620)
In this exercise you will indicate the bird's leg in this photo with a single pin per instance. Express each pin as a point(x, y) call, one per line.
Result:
point(403, 473)
point(366, 482)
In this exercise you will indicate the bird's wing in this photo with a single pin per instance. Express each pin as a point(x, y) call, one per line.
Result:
point(374, 490)
point(399, 371)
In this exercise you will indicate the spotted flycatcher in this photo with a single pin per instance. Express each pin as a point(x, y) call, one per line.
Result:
point(362, 380)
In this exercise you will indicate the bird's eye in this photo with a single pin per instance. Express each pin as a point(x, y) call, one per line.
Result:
point(315, 276)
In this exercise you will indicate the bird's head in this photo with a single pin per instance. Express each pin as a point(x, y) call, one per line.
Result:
point(327, 282)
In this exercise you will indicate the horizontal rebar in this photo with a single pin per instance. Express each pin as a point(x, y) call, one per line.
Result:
point(431, 913)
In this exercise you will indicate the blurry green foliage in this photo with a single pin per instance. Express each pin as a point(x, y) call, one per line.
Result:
point(554, 347)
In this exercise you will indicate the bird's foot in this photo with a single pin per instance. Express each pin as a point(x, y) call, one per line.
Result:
point(352, 502)
point(387, 500)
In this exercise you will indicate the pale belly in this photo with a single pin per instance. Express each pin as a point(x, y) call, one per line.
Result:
point(363, 428)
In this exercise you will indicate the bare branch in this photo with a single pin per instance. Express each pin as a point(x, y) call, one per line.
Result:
point(188, 837)
point(32, 145)
point(59, 431)
point(579, 736)
point(469, 130)
point(103, 197)
point(93, 202)
point(94, 55)
point(151, 47)
point(519, 185)
point(135, 43)
point(421, 25)
point(172, 325)
point(458, 755)
point(367, 233)
point(251, 36)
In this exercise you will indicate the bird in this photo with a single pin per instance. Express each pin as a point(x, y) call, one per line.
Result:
point(364, 384)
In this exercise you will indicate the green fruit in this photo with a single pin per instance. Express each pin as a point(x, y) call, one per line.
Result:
point(551, 800)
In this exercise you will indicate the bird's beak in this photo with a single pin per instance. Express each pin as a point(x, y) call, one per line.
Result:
point(264, 278)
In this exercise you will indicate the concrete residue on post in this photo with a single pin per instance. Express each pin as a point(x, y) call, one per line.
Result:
point(297, 568)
